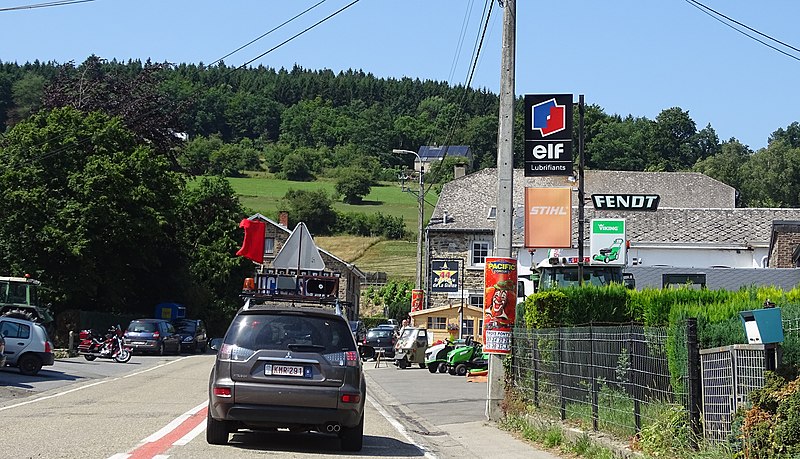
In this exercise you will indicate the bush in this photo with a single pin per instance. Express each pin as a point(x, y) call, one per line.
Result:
point(543, 309)
point(771, 428)
point(360, 224)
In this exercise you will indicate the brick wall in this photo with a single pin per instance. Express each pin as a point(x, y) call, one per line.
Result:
point(783, 248)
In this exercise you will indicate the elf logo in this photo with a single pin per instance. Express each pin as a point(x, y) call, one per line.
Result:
point(549, 117)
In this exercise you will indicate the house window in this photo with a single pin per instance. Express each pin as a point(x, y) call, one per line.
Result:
point(480, 250)
point(269, 246)
point(437, 323)
point(492, 213)
point(476, 300)
point(467, 327)
point(480, 327)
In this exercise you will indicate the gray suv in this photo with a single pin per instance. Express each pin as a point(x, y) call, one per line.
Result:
point(288, 366)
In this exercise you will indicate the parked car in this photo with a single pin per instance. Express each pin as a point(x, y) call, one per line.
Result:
point(27, 345)
point(359, 330)
point(2, 351)
point(153, 335)
point(287, 366)
point(193, 334)
point(382, 339)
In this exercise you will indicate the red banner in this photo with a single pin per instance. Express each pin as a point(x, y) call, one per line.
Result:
point(417, 299)
point(253, 245)
point(499, 304)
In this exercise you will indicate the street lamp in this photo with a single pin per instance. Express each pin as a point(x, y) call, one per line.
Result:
point(420, 202)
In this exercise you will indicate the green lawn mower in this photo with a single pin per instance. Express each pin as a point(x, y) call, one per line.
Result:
point(460, 360)
point(436, 355)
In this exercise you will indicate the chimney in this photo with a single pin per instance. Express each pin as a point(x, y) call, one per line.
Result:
point(459, 171)
point(283, 218)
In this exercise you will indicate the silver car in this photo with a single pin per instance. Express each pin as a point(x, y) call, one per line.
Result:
point(27, 345)
point(284, 366)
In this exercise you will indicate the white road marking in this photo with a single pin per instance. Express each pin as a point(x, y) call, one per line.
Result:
point(399, 427)
point(120, 456)
point(174, 424)
point(191, 435)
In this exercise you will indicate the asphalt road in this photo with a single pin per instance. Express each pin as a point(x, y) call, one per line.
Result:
point(156, 407)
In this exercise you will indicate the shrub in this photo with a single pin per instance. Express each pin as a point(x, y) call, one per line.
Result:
point(543, 309)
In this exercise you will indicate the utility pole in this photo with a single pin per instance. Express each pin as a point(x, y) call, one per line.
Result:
point(505, 185)
point(420, 217)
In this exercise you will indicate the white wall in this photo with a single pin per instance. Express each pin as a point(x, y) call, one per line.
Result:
point(684, 257)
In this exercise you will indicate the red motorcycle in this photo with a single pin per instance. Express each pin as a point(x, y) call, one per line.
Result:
point(110, 346)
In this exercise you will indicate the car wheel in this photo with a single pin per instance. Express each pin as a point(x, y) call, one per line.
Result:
point(216, 431)
point(353, 437)
point(29, 364)
point(433, 367)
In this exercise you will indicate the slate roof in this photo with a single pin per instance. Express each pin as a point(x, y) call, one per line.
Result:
point(694, 208)
point(429, 153)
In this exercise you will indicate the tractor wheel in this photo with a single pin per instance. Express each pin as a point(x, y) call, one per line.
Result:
point(433, 367)
point(442, 367)
point(422, 365)
point(461, 370)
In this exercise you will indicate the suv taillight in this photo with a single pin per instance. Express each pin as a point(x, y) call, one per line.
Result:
point(347, 358)
point(234, 352)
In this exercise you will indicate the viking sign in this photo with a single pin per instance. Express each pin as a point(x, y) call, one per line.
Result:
point(444, 275)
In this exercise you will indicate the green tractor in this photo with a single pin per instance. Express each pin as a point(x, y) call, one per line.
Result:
point(462, 359)
point(19, 298)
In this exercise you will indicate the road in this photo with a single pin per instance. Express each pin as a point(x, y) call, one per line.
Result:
point(156, 407)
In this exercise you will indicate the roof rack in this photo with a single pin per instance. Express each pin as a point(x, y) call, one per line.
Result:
point(309, 288)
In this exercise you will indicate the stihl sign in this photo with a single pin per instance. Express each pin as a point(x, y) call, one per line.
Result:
point(640, 202)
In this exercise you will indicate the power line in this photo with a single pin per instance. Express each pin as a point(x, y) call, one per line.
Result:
point(461, 36)
point(267, 33)
point(44, 5)
point(299, 34)
point(717, 15)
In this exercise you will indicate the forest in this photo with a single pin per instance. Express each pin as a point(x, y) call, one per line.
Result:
point(113, 173)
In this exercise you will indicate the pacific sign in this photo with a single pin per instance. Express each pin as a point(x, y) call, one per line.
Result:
point(548, 134)
point(640, 202)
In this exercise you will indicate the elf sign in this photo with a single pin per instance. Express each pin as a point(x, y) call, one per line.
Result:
point(548, 134)
point(608, 244)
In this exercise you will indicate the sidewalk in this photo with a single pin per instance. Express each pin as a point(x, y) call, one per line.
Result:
point(445, 415)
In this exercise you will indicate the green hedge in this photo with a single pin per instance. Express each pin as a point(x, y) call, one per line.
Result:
point(717, 313)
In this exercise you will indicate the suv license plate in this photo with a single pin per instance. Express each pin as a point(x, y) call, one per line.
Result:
point(283, 370)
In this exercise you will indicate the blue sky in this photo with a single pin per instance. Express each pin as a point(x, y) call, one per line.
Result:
point(628, 56)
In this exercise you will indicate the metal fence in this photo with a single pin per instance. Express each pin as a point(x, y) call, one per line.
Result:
point(730, 373)
point(614, 379)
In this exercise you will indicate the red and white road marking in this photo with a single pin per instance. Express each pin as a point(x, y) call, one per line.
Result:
point(179, 432)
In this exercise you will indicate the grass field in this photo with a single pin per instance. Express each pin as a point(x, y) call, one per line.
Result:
point(262, 193)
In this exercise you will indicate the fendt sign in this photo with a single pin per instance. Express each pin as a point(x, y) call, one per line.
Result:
point(548, 134)
point(641, 202)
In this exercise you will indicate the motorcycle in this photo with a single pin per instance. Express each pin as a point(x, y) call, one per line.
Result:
point(110, 346)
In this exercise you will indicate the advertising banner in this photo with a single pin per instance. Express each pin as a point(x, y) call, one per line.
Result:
point(608, 246)
point(499, 304)
point(444, 275)
point(417, 299)
point(548, 217)
point(548, 134)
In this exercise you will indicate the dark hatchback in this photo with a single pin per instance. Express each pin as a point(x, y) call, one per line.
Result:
point(294, 367)
point(153, 335)
point(193, 334)
point(381, 338)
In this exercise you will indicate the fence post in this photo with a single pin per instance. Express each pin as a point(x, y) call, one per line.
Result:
point(535, 359)
point(593, 383)
point(561, 398)
point(695, 384)
point(633, 386)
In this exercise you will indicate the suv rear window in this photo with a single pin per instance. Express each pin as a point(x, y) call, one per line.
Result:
point(290, 331)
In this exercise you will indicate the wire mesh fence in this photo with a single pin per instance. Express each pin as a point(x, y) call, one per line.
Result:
point(613, 379)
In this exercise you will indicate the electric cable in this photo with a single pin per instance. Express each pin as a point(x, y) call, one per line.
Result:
point(461, 36)
point(44, 5)
point(716, 15)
